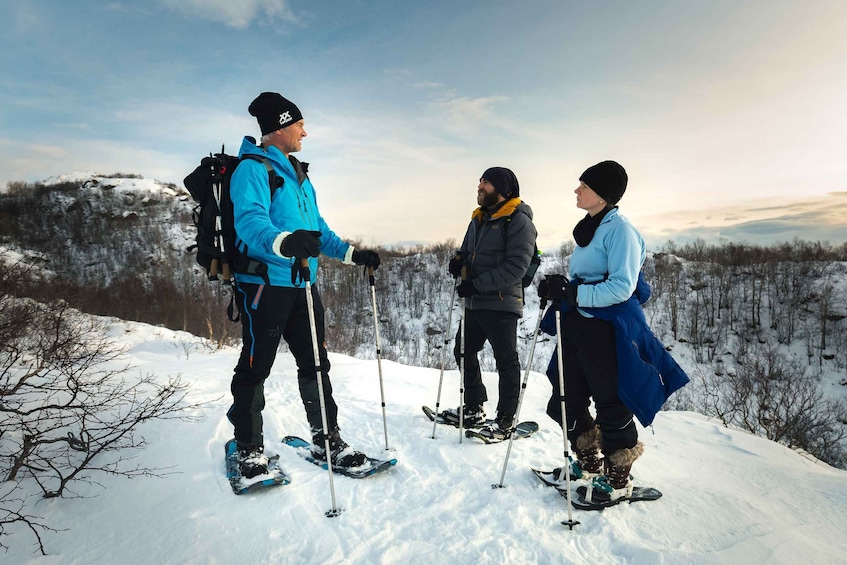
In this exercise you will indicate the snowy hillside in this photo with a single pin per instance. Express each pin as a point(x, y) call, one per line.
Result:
point(729, 497)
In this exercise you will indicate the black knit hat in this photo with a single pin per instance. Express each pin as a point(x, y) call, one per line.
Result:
point(505, 182)
point(608, 179)
point(274, 112)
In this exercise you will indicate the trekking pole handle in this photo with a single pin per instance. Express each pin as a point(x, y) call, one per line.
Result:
point(304, 269)
point(371, 279)
point(464, 272)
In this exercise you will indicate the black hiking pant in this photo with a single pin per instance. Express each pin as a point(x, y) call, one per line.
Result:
point(269, 313)
point(591, 371)
point(500, 330)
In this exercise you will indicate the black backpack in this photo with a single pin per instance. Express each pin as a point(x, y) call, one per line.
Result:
point(213, 218)
point(534, 263)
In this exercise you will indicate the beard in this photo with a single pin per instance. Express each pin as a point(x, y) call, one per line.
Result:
point(488, 199)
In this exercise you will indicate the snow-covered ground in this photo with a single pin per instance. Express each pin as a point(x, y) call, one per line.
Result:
point(729, 497)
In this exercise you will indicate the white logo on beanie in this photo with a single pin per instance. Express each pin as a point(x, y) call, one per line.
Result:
point(284, 118)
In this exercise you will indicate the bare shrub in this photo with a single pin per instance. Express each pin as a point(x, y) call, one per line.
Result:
point(67, 414)
point(773, 396)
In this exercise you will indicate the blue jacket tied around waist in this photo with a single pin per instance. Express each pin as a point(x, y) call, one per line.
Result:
point(647, 374)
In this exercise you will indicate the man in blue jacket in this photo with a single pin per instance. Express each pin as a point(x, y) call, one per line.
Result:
point(276, 227)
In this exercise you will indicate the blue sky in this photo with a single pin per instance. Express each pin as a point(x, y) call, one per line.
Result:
point(730, 117)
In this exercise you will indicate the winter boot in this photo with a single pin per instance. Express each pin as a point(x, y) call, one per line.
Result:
point(252, 461)
point(588, 463)
point(616, 483)
point(474, 416)
point(341, 454)
point(501, 428)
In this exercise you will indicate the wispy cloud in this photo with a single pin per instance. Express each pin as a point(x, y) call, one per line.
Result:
point(81, 126)
point(464, 114)
point(428, 85)
point(397, 71)
point(239, 15)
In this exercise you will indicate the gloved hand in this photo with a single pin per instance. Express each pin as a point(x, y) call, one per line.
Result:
point(466, 289)
point(551, 282)
point(455, 266)
point(557, 287)
point(301, 244)
point(366, 257)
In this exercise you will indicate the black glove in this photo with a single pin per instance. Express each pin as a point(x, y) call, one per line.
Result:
point(543, 289)
point(552, 287)
point(366, 257)
point(455, 266)
point(301, 244)
point(557, 287)
point(466, 289)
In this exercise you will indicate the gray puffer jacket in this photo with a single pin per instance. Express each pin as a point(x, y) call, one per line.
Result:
point(498, 247)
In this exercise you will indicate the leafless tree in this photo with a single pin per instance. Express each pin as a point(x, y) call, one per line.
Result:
point(69, 409)
point(773, 396)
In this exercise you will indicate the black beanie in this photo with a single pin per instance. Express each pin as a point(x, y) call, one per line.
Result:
point(607, 179)
point(505, 182)
point(274, 112)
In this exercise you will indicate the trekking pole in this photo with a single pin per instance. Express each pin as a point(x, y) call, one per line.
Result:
point(219, 268)
point(566, 467)
point(372, 282)
point(447, 336)
point(304, 273)
point(462, 364)
point(523, 389)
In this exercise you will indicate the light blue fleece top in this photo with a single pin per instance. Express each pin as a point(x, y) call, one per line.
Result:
point(617, 250)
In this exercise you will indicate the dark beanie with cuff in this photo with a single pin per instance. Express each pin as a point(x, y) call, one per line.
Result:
point(504, 181)
point(274, 112)
point(608, 179)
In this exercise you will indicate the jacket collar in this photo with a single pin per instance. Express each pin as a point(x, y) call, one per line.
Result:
point(274, 155)
point(504, 211)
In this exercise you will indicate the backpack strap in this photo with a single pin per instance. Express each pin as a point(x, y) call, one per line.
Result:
point(274, 180)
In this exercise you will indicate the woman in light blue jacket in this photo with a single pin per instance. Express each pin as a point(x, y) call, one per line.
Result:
point(603, 271)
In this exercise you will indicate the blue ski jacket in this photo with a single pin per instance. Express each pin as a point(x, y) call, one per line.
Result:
point(263, 218)
point(647, 374)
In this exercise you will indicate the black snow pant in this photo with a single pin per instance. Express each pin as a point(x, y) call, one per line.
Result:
point(268, 313)
point(500, 329)
point(591, 371)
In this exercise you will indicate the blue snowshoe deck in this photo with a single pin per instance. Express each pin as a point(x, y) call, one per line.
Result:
point(240, 485)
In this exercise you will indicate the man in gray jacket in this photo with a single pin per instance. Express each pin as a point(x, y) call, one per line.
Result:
point(496, 252)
